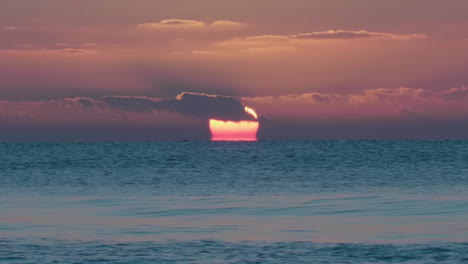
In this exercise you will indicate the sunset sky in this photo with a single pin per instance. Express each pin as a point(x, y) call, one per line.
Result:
point(160, 69)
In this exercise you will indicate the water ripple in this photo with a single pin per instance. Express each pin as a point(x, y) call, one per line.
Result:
point(65, 252)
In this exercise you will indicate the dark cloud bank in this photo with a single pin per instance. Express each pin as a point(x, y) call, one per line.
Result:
point(205, 107)
point(190, 104)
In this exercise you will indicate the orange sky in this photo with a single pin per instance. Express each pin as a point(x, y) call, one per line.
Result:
point(300, 61)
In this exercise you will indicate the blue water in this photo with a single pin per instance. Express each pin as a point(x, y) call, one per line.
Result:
point(215, 202)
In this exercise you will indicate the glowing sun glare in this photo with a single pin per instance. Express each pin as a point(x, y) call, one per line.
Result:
point(251, 112)
point(233, 131)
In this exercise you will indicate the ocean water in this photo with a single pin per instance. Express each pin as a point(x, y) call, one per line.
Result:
point(234, 202)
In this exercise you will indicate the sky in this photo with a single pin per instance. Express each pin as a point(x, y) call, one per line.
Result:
point(160, 69)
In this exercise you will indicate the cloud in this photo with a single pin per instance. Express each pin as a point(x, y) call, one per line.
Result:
point(394, 106)
point(114, 108)
point(349, 34)
point(280, 43)
point(70, 110)
point(455, 93)
point(9, 28)
point(85, 102)
point(191, 24)
point(227, 24)
point(254, 41)
point(369, 96)
point(130, 103)
point(306, 98)
point(401, 94)
point(368, 104)
point(321, 35)
point(189, 104)
point(173, 24)
point(256, 50)
point(379, 103)
point(57, 52)
point(210, 106)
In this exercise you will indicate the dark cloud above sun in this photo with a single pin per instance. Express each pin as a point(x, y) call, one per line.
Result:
point(191, 104)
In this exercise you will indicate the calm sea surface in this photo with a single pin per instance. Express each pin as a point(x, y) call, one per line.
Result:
point(214, 202)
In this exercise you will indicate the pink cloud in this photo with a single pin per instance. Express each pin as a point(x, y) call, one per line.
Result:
point(395, 103)
point(173, 24)
point(381, 103)
point(360, 34)
point(50, 52)
point(282, 40)
point(178, 24)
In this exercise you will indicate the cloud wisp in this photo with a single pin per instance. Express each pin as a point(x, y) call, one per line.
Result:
point(394, 103)
point(67, 52)
point(281, 43)
point(184, 24)
point(360, 34)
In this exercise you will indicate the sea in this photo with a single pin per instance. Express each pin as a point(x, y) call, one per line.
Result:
point(208, 202)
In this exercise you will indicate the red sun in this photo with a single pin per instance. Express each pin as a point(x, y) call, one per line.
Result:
point(235, 131)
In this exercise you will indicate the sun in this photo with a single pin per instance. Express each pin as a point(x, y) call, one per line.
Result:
point(235, 131)
point(250, 111)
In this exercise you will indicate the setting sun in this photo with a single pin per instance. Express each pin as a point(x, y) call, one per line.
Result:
point(233, 131)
